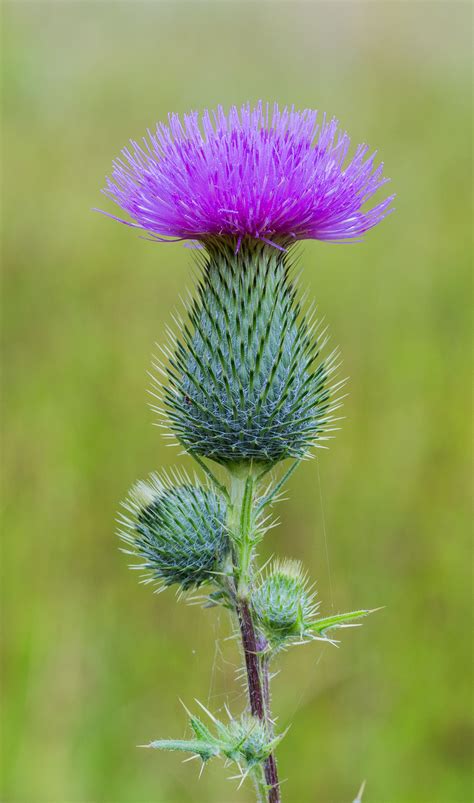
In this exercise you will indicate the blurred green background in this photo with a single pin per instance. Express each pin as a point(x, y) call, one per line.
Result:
point(94, 663)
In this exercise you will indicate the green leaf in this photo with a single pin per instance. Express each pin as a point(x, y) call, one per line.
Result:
point(201, 731)
point(203, 749)
point(339, 620)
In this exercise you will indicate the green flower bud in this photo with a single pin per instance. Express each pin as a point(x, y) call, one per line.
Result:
point(251, 740)
point(246, 740)
point(246, 380)
point(177, 531)
point(283, 603)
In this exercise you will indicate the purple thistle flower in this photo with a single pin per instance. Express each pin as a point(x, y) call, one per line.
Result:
point(273, 177)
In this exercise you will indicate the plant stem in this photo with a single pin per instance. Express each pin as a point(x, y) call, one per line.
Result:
point(260, 782)
point(252, 663)
point(256, 690)
point(240, 525)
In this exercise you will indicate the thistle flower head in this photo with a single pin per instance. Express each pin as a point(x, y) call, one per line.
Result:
point(283, 602)
point(176, 530)
point(246, 379)
point(271, 174)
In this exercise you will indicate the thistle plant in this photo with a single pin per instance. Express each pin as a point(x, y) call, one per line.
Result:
point(246, 385)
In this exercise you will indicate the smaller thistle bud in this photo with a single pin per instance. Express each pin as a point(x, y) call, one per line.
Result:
point(248, 736)
point(177, 530)
point(284, 603)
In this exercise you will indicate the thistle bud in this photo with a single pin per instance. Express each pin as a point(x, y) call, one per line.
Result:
point(283, 603)
point(249, 737)
point(177, 531)
point(246, 740)
point(246, 379)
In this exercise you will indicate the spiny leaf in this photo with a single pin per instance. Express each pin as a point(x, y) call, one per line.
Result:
point(197, 746)
point(245, 741)
point(338, 620)
point(200, 730)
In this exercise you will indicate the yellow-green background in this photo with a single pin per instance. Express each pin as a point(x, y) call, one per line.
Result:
point(94, 663)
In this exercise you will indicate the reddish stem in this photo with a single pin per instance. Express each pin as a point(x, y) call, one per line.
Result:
point(258, 691)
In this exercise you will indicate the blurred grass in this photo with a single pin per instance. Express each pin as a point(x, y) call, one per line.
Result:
point(93, 663)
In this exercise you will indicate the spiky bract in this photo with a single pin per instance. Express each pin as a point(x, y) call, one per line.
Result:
point(283, 603)
point(178, 531)
point(246, 379)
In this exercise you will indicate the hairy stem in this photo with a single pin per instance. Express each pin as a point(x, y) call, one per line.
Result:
point(257, 693)
point(252, 663)
point(240, 524)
